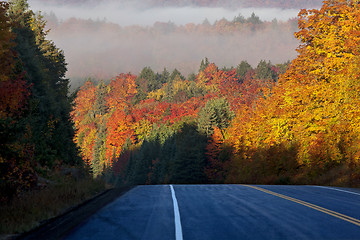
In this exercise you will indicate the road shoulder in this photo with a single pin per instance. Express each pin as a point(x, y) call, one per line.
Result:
point(60, 226)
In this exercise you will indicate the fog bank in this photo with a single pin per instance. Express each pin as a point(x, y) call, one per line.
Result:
point(125, 39)
point(131, 15)
point(108, 51)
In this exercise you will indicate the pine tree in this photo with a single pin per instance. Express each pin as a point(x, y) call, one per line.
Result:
point(189, 160)
point(163, 77)
point(215, 113)
point(45, 68)
point(7, 56)
point(242, 69)
point(204, 64)
point(99, 152)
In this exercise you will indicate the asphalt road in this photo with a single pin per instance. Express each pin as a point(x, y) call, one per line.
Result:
point(227, 212)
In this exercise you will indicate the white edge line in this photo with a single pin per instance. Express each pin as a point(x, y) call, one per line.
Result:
point(332, 188)
point(178, 228)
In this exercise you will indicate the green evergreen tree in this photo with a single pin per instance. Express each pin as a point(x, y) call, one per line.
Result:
point(254, 19)
point(239, 19)
point(189, 160)
point(130, 170)
point(195, 91)
point(191, 77)
point(264, 70)
point(147, 155)
point(148, 75)
point(99, 160)
point(169, 93)
point(216, 112)
point(163, 77)
point(206, 120)
point(100, 106)
point(146, 82)
point(49, 108)
point(242, 69)
point(282, 67)
point(176, 74)
point(206, 22)
point(161, 173)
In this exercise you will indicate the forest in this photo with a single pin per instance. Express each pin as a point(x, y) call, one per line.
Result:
point(37, 152)
point(291, 123)
point(165, 44)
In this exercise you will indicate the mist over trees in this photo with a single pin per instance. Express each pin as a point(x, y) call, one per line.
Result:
point(277, 124)
point(155, 133)
point(100, 49)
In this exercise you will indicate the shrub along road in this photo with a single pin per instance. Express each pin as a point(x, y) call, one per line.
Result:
point(227, 212)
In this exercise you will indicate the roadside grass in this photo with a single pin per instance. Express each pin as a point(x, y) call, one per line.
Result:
point(32, 208)
point(339, 176)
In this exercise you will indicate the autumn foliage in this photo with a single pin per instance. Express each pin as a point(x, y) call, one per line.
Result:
point(119, 120)
point(296, 123)
point(312, 112)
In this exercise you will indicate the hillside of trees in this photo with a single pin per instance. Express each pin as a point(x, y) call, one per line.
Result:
point(292, 123)
point(160, 44)
point(139, 115)
point(296, 122)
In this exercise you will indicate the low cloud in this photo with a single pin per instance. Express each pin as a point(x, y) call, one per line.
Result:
point(105, 53)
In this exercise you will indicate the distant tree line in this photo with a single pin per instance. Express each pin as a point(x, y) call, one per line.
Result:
point(292, 123)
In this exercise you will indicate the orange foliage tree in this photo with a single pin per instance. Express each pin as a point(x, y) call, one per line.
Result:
point(215, 169)
point(119, 126)
point(84, 120)
point(322, 84)
point(302, 126)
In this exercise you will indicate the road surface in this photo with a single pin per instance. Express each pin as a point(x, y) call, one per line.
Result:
point(227, 212)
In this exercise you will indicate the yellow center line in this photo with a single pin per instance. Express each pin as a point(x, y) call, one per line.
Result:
point(310, 205)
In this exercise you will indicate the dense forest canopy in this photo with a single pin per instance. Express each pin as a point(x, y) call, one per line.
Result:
point(155, 34)
point(101, 49)
point(260, 122)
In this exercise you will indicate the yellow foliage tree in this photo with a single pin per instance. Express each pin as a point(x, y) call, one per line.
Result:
point(314, 106)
